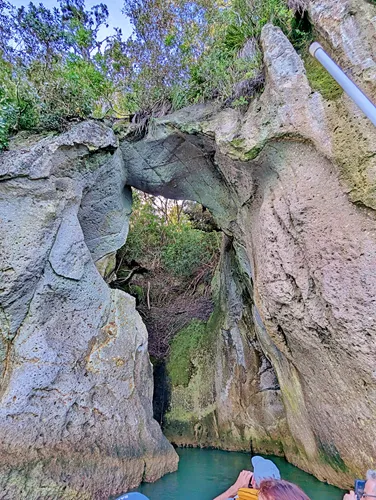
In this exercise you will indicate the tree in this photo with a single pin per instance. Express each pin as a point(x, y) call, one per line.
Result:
point(38, 35)
point(6, 32)
point(169, 36)
point(54, 67)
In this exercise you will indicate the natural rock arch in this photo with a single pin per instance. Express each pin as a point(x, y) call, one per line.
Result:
point(289, 264)
point(298, 290)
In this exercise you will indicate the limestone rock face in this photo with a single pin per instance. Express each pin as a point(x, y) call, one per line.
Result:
point(76, 384)
point(313, 254)
point(301, 299)
point(177, 166)
point(348, 30)
point(233, 400)
point(291, 367)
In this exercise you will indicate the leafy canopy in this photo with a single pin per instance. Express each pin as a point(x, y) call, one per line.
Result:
point(55, 68)
point(161, 235)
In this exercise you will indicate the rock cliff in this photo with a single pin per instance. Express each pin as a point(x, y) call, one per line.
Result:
point(289, 368)
point(291, 183)
point(76, 380)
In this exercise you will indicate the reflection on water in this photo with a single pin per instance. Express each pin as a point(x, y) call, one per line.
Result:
point(203, 474)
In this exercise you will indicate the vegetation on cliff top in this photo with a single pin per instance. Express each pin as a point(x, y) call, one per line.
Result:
point(54, 68)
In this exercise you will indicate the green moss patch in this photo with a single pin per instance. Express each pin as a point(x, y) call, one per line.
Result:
point(183, 347)
point(191, 347)
point(321, 81)
point(330, 455)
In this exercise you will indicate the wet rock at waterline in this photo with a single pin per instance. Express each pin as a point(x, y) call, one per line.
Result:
point(76, 386)
point(289, 367)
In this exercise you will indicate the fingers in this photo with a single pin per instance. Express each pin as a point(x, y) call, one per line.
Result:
point(243, 480)
point(245, 473)
point(350, 496)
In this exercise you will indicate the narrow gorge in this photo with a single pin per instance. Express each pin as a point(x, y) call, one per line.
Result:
point(288, 363)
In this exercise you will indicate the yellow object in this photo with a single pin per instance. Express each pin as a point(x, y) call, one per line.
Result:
point(247, 494)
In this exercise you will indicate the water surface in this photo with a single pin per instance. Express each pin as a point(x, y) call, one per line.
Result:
point(204, 474)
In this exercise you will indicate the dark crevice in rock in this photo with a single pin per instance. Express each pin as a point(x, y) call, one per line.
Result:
point(162, 391)
point(284, 338)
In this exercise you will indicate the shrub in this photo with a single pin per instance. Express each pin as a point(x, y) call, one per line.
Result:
point(188, 250)
point(219, 68)
point(239, 102)
point(147, 232)
point(71, 92)
point(54, 68)
point(3, 132)
point(216, 75)
point(7, 114)
point(167, 239)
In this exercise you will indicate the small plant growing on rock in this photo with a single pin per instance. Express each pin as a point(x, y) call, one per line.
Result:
point(240, 102)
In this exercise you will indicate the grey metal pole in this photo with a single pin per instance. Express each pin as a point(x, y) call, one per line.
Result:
point(360, 99)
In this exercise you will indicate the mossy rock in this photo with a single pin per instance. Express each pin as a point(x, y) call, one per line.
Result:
point(321, 81)
point(183, 348)
point(329, 454)
point(121, 128)
point(137, 291)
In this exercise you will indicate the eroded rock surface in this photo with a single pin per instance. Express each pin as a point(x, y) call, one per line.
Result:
point(233, 400)
point(293, 166)
point(348, 31)
point(292, 184)
point(76, 385)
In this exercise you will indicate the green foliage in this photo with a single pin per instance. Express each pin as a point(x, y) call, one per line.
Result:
point(188, 52)
point(188, 249)
point(240, 102)
point(137, 291)
point(54, 69)
point(183, 347)
point(73, 90)
point(217, 73)
point(7, 113)
point(244, 19)
point(4, 129)
point(167, 239)
point(321, 81)
point(147, 232)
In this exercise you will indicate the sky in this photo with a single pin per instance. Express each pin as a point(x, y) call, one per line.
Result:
point(117, 18)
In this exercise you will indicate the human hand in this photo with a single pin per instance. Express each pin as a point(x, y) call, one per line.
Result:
point(243, 479)
point(350, 496)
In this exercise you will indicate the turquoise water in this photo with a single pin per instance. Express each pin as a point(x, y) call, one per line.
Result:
point(204, 474)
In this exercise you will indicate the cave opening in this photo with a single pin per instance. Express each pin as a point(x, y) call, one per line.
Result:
point(167, 264)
